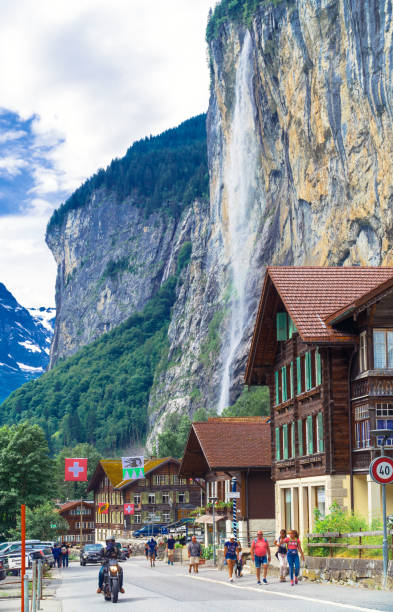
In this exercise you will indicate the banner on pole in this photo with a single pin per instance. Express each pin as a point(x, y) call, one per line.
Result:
point(129, 509)
point(103, 508)
point(133, 467)
point(75, 469)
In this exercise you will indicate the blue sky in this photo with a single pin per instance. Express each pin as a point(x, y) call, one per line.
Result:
point(81, 82)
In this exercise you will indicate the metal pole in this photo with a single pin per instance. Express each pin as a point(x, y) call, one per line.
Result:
point(39, 583)
point(385, 546)
point(23, 541)
point(26, 593)
point(34, 588)
point(234, 508)
point(80, 530)
point(214, 534)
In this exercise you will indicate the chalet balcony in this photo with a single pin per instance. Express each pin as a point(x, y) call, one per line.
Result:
point(373, 383)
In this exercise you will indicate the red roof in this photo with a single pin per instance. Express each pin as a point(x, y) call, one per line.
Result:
point(312, 294)
point(235, 442)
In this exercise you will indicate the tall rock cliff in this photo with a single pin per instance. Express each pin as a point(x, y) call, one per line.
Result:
point(299, 138)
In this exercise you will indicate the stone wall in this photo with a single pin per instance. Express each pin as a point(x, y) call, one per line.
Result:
point(368, 572)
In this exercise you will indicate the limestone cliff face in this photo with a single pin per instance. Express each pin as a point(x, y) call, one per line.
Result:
point(300, 146)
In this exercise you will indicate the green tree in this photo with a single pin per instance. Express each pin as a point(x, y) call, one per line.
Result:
point(69, 490)
point(26, 471)
point(254, 401)
point(40, 523)
point(172, 441)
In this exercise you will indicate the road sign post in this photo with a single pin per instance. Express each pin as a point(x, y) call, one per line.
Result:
point(234, 516)
point(381, 471)
point(23, 542)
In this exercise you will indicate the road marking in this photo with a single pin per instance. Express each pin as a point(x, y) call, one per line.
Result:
point(283, 594)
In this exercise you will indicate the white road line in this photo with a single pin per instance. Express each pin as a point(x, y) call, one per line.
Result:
point(283, 594)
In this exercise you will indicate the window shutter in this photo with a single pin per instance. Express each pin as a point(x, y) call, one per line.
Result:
point(166, 479)
point(310, 437)
point(293, 443)
point(285, 440)
point(291, 327)
point(187, 497)
point(158, 497)
point(281, 322)
point(308, 371)
point(277, 384)
point(284, 383)
point(291, 379)
point(318, 367)
point(144, 497)
point(278, 454)
point(320, 432)
point(299, 375)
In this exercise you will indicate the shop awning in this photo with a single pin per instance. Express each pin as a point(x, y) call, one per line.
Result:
point(207, 519)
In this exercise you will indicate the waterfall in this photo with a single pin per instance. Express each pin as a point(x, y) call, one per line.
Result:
point(240, 184)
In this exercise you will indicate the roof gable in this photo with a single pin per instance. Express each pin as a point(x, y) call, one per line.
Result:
point(151, 465)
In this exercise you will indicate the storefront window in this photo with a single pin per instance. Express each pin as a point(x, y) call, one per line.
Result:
point(320, 500)
point(288, 508)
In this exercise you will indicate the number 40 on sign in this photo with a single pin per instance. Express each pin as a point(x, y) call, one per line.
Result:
point(381, 470)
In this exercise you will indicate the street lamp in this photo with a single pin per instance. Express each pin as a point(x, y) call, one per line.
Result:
point(384, 434)
point(213, 502)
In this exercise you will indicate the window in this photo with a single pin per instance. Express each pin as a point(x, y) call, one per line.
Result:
point(362, 426)
point(320, 500)
point(136, 519)
point(151, 498)
point(363, 352)
point(299, 375)
point(282, 326)
point(320, 441)
point(175, 479)
point(278, 450)
point(159, 479)
point(318, 368)
point(293, 444)
point(285, 441)
point(383, 348)
point(288, 508)
point(181, 498)
point(277, 387)
point(385, 421)
point(300, 436)
point(165, 497)
point(309, 435)
point(166, 517)
point(137, 499)
point(308, 371)
point(284, 383)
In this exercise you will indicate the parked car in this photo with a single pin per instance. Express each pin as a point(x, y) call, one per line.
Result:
point(46, 554)
point(148, 531)
point(91, 553)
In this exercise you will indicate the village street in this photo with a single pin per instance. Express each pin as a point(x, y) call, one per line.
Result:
point(164, 588)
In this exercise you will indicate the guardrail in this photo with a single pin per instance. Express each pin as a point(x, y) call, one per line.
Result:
point(335, 535)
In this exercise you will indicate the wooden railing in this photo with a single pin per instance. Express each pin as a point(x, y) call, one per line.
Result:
point(360, 546)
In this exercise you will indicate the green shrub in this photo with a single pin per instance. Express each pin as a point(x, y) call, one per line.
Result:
point(237, 11)
point(254, 401)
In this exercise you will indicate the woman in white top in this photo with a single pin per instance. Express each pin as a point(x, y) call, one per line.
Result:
point(281, 554)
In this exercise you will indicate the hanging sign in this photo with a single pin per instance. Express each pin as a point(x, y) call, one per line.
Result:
point(103, 508)
point(129, 508)
point(381, 470)
point(133, 468)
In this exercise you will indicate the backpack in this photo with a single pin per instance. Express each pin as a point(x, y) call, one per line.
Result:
point(63, 550)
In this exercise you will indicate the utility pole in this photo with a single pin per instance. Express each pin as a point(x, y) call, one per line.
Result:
point(23, 541)
point(213, 501)
point(80, 524)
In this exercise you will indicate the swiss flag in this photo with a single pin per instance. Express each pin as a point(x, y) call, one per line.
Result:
point(75, 469)
point(129, 508)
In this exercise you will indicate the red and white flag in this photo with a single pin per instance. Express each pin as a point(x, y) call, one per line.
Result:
point(75, 469)
point(129, 509)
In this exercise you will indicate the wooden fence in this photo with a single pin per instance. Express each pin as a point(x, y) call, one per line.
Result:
point(360, 546)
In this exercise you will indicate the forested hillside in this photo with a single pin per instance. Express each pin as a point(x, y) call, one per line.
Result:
point(100, 395)
point(167, 170)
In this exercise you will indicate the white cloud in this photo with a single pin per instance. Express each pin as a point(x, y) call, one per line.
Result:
point(96, 75)
point(12, 165)
point(11, 135)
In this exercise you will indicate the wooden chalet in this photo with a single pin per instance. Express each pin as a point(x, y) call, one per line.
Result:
point(323, 343)
point(161, 497)
point(71, 511)
point(222, 448)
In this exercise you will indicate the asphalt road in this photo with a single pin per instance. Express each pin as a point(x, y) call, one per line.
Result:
point(171, 589)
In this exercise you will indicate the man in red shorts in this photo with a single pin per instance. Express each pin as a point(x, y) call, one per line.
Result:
point(260, 553)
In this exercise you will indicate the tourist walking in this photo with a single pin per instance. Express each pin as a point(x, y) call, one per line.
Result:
point(64, 554)
point(260, 554)
point(56, 552)
point(170, 549)
point(281, 554)
point(239, 563)
point(147, 550)
point(294, 548)
point(152, 546)
point(231, 550)
point(194, 553)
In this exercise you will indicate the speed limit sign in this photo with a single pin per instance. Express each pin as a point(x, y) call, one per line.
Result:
point(381, 470)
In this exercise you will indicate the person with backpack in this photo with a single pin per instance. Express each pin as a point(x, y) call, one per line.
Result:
point(281, 554)
point(260, 554)
point(64, 554)
point(294, 548)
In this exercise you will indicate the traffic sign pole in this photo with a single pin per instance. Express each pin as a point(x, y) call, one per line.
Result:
point(23, 542)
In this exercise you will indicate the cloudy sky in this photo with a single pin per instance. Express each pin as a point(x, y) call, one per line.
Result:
point(80, 81)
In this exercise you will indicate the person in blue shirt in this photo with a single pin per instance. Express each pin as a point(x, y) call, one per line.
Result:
point(56, 552)
point(152, 544)
point(170, 549)
point(231, 551)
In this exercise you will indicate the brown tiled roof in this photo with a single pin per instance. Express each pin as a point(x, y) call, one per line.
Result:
point(312, 294)
point(235, 442)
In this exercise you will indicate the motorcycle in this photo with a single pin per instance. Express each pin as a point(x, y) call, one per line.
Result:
point(111, 586)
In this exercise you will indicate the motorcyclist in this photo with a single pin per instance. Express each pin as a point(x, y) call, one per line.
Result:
point(111, 551)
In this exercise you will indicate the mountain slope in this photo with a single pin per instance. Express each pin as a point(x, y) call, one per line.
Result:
point(24, 342)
